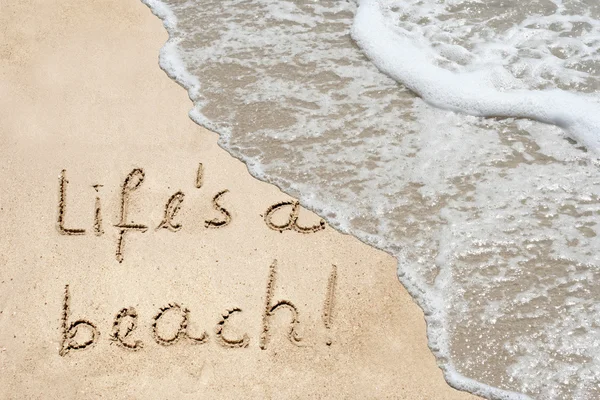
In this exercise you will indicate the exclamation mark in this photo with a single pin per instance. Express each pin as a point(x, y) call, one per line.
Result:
point(98, 231)
point(329, 299)
point(200, 176)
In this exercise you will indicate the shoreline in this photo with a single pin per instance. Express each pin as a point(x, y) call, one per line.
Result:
point(192, 274)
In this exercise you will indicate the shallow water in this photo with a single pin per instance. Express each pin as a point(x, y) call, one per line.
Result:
point(493, 221)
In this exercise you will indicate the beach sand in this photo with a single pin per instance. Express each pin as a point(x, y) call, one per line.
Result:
point(128, 272)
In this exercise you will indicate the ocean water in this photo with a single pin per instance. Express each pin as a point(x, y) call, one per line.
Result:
point(462, 137)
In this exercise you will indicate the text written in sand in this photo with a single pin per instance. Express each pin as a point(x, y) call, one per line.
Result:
point(82, 334)
point(131, 186)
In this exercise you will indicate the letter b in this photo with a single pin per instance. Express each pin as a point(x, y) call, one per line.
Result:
point(69, 331)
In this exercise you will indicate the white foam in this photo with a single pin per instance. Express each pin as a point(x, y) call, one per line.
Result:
point(471, 93)
point(169, 57)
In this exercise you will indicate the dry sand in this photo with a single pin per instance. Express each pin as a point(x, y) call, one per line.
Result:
point(81, 91)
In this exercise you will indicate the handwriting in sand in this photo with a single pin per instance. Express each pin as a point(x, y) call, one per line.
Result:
point(170, 221)
point(82, 334)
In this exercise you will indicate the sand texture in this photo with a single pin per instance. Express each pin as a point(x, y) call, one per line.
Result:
point(139, 260)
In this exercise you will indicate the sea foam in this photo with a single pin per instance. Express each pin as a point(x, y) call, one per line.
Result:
point(475, 92)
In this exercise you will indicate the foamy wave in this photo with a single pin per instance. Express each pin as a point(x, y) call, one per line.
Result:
point(479, 92)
